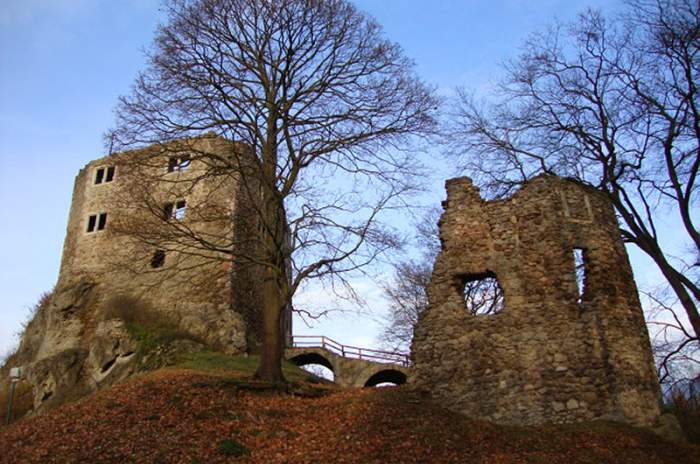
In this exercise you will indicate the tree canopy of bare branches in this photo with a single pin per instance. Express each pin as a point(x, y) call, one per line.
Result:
point(614, 104)
point(325, 107)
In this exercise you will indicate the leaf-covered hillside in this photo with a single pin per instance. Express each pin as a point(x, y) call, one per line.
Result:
point(210, 415)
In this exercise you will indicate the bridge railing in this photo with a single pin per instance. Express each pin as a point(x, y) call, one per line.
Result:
point(348, 351)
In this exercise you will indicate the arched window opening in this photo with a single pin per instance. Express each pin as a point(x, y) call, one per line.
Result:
point(482, 294)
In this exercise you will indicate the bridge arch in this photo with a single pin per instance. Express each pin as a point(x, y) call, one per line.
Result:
point(312, 357)
point(386, 376)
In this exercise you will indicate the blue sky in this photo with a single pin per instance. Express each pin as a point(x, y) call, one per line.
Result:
point(64, 63)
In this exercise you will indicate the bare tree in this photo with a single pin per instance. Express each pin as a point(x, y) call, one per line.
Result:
point(613, 104)
point(323, 106)
point(676, 354)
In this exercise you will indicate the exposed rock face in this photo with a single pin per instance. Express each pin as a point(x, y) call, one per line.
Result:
point(124, 275)
point(555, 353)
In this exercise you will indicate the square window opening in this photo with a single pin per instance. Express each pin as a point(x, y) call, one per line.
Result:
point(482, 294)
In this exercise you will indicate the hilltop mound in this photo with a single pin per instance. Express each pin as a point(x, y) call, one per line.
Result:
point(199, 415)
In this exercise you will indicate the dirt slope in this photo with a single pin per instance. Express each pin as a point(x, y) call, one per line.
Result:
point(187, 416)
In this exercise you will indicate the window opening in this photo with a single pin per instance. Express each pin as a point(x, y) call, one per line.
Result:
point(92, 221)
point(168, 211)
point(180, 207)
point(97, 222)
point(175, 210)
point(158, 259)
point(580, 272)
point(102, 221)
point(179, 163)
point(104, 175)
point(482, 294)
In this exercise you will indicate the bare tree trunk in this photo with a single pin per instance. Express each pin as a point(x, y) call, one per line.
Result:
point(275, 280)
point(270, 367)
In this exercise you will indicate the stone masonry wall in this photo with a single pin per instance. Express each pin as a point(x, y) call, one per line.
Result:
point(551, 355)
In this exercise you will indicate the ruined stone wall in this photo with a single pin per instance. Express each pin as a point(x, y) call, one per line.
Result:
point(551, 354)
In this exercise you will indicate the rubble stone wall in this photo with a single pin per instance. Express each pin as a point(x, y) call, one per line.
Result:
point(552, 354)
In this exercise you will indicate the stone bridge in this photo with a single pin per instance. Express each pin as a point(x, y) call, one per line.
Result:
point(352, 366)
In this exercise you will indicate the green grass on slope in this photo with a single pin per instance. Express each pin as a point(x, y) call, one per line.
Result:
point(219, 362)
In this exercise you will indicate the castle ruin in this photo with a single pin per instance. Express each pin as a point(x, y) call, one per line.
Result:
point(127, 252)
point(557, 348)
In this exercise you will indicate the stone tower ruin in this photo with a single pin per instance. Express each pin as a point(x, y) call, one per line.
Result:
point(125, 254)
point(559, 348)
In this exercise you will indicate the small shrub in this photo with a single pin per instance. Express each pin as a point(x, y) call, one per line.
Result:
point(232, 447)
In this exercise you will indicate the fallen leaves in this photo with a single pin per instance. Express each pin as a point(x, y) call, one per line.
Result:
point(181, 416)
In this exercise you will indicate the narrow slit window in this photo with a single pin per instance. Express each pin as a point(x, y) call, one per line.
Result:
point(102, 221)
point(110, 174)
point(580, 273)
point(158, 259)
point(92, 221)
point(482, 294)
point(99, 176)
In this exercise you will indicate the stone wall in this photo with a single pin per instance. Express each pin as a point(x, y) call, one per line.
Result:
point(553, 353)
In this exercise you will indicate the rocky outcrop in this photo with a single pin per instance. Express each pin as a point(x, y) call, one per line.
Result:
point(77, 342)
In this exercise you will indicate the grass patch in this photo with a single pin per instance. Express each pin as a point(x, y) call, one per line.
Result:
point(246, 365)
point(150, 328)
point(232, 447)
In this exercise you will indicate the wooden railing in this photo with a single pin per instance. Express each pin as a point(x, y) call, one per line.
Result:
point(347, 351)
